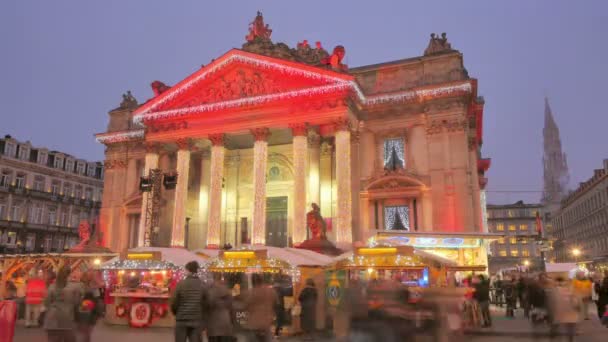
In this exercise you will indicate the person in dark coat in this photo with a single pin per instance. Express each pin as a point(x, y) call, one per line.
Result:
point(279, 309)
point(220, 325)
point(308, 301)
point(188, 304)
point(482, 296)
point(603, 297)
point(510, 291)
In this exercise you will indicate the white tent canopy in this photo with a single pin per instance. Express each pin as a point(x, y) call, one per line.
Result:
point(293, 256)
point(177, 256)
point(564, 267)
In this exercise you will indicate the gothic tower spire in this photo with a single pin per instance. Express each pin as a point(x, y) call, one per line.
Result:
point(555, 166)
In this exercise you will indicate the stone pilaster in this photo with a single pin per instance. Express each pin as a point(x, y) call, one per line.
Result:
point(151, 162)
point(215, 190)
point(181, 194)
point(300, 165)
point(199, 238)
point(260, 159)
point(344, 232)
point(314, 173)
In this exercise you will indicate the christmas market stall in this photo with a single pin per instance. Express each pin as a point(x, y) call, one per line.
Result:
point(139, 285)
point(285, 268)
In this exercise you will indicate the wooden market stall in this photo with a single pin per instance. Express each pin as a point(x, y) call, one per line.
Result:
point(139, 285)
point(284, 267)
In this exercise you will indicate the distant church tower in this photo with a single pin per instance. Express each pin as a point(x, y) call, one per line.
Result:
point(555, 166)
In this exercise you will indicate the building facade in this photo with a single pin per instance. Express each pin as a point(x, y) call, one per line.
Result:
point(259, 134)
point(43, 197)
point(518, 223)
point(582, 221)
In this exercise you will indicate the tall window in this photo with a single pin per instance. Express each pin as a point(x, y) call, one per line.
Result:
point(16, 212)
point(75, 219)
point(30, 242)
point(501, 241)
point(83, 216)
point(88, 193)
point(91, 170)
point(525, 252)
point(58, 162)
point(10, 149)
point(523, 227)
point(52, 216)
point(36, 211)
point(512, 227)
point(500, 227)
point(67, 189)
point(513, 241)
point(55, 187)
point(514, 252)
point(394, 154)
point(63, 218)
point(397, 218)
point(20, 181)
point(58, 243)
point(80, 168)
point(39, 183)
point(502, 253)
point(24, 152)
point(69, 165)
point(42, 157)
point(2, 209)
point(77, 191)
point(5, 178)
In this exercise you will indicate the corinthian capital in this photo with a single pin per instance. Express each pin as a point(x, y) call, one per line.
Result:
point(218, 139)
point(260, 134)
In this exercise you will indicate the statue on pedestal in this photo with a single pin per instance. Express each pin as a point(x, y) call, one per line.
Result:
point(316, 224)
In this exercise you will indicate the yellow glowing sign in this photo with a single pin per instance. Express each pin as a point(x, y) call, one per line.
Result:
point(239, 254)
point(377, 251)
point(140, 256)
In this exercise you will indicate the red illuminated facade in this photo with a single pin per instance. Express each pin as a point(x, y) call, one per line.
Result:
point(262, 132)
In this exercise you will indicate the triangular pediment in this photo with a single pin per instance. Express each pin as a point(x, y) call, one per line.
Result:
point(240, 76)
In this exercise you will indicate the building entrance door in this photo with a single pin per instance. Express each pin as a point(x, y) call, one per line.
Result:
point(276, 221)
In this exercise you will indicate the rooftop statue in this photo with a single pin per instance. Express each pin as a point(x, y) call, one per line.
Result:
point(437, 44)
point(128, 101)
point(258, 30)
point(159, 87)
point(335, 60)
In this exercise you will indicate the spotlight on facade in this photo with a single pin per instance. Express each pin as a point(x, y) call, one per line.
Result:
point(170, 181)
point(145, 184)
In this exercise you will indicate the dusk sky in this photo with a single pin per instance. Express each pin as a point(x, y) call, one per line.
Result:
point(64, 64)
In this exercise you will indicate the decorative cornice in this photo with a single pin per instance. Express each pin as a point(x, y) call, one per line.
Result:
point(118, 137)
point(218, 139)
point(260, 134)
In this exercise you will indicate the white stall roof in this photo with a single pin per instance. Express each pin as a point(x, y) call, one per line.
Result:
point(178, 256)
point(294, 256)
point(560, 267)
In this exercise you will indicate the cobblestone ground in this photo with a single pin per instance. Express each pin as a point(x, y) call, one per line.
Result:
point(504, 330)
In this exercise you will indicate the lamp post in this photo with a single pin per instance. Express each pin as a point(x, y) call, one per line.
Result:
point(576, 252)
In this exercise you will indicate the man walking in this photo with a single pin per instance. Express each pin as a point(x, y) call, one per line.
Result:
point(188, 304)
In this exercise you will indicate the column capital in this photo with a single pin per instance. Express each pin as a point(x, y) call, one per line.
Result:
point(152, 147)
point(260, 134)
point(299, 129)
point(342, 124)
point(314, 139)
point(218, 139)
point(184, 143)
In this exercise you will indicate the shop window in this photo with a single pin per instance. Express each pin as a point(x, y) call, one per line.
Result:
point(512, 227)
point(11, 238)
point(394, 154)
point(500, 227)
point(514, 252)
point(502, 253)
point(523, 227)
point(397, 218)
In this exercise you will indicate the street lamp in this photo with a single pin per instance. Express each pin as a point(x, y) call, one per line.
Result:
point(526, 263)
point(576, 252)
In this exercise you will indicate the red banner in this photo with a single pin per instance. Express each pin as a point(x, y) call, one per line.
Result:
point(8, 317)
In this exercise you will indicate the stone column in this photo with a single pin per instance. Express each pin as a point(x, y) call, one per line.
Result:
point(132, 177)
point(181, 194)
point(300, 166)
point(216, 174)
point(203, 203)
point(344, 232)
point(314, 174)
point(151, 163)
point(260, 158)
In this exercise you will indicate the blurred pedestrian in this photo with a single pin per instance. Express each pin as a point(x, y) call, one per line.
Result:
point(35, 291)
point(602, 301)
point(220, 324)
point(279, 309)
point(308, 301)
point(565, 308)
point(188, 303)
point(499, 288)
point(581, 286)
point(60, 302)
point(510, 288)
point(259, 304)
point(482, 296)
point(90, 308)
point(595, 294)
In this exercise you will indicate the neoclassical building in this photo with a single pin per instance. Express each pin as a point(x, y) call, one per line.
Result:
point(262, 132)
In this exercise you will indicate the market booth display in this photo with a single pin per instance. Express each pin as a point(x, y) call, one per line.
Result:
point(139, 285)
point(284, 267)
